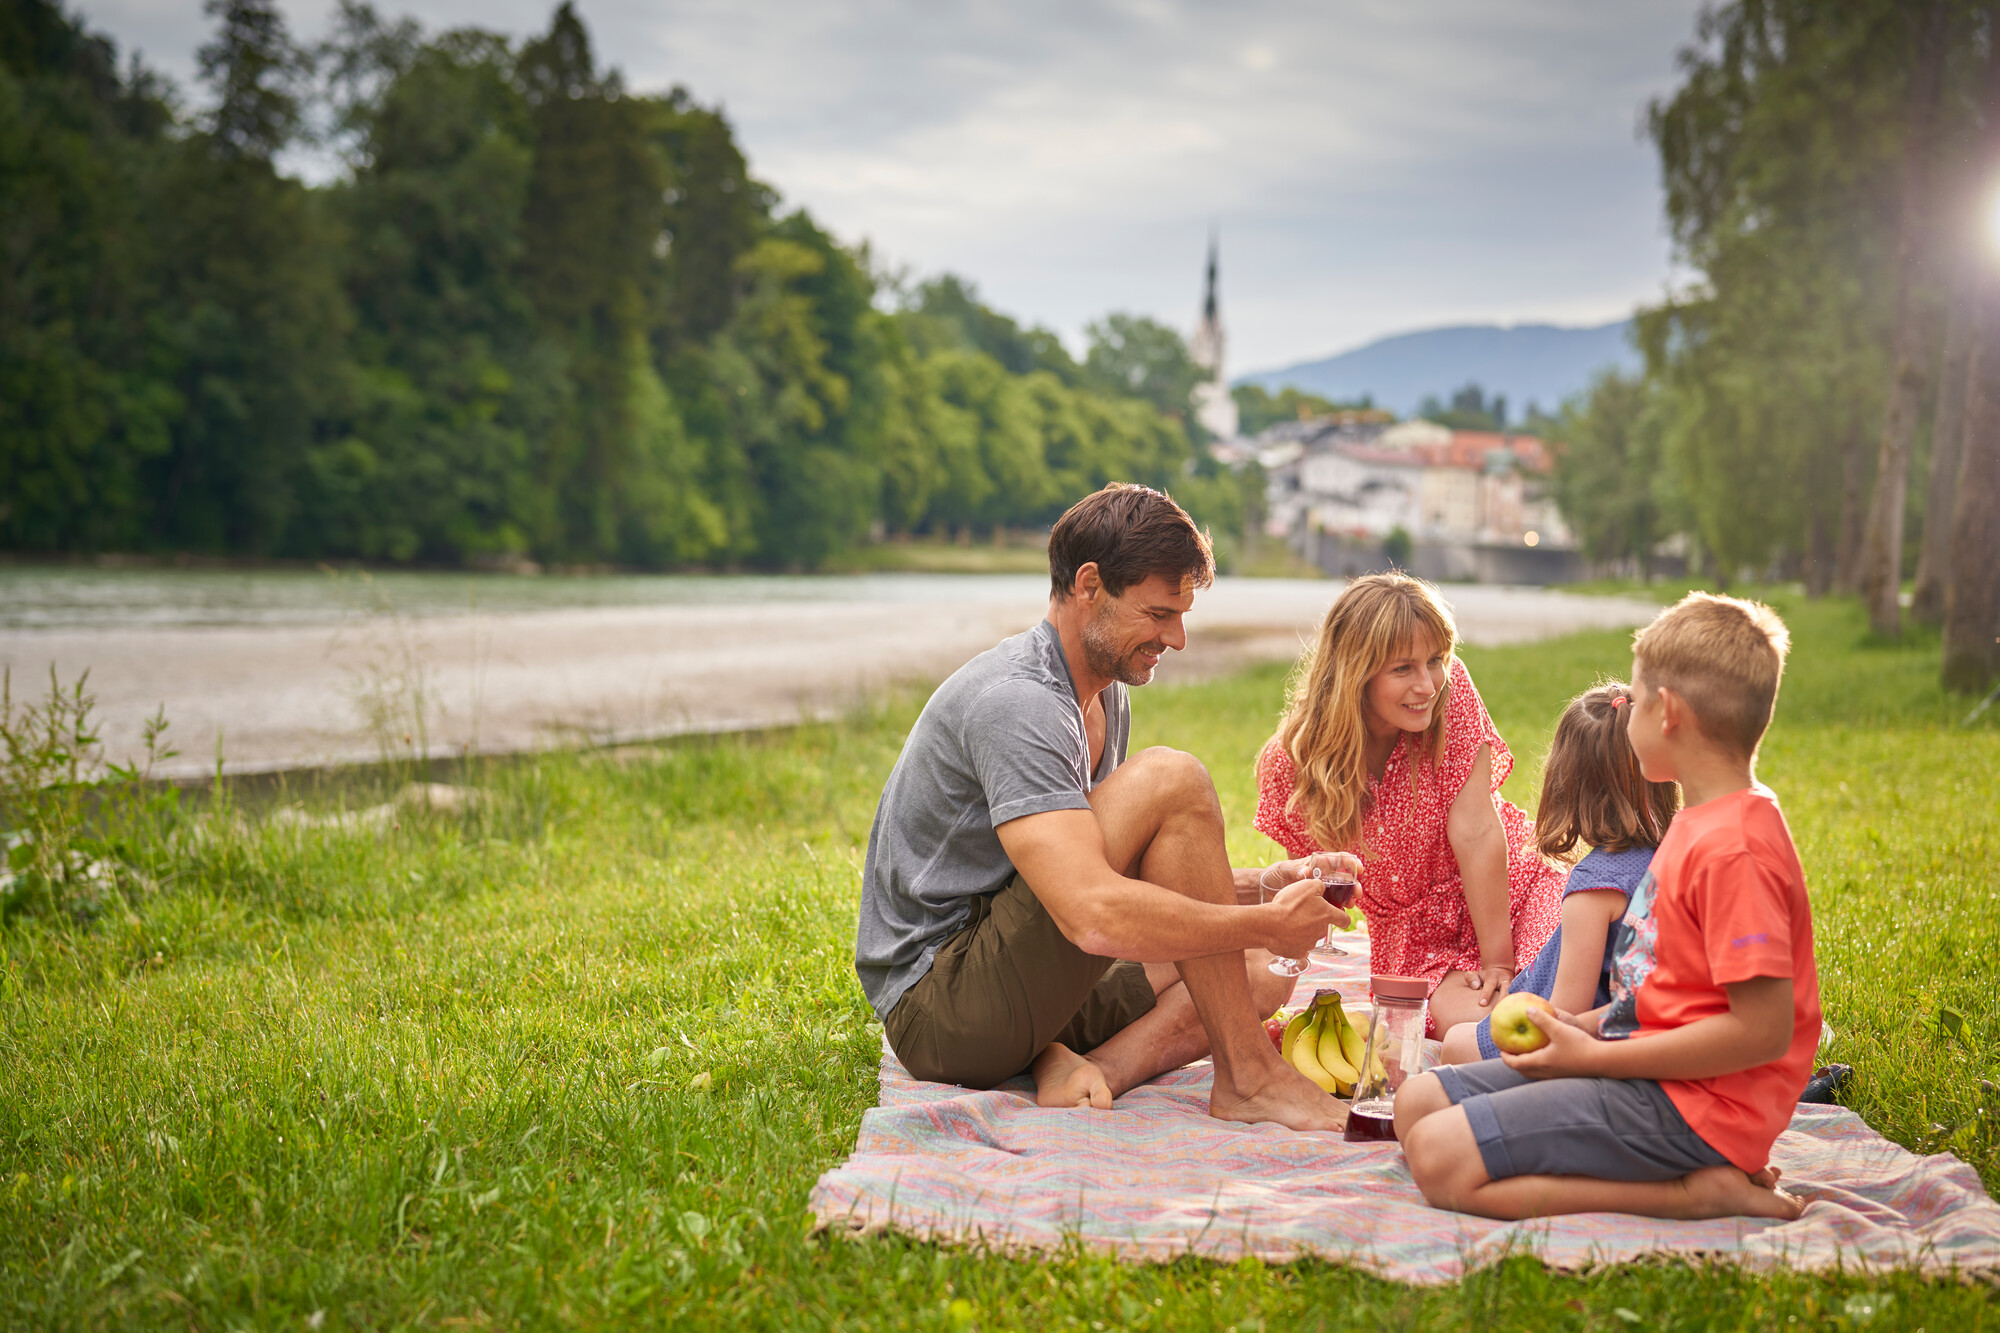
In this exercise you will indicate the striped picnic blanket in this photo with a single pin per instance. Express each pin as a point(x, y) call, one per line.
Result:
point(1157, 1177)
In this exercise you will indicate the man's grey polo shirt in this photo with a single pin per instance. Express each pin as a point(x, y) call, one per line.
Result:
point(1001, 739)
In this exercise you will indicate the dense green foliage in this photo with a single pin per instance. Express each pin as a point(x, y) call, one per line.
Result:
point(448, 1070)
point(1257, 407)
point(1469, 409)
point(537, 317)
point(1819, 164)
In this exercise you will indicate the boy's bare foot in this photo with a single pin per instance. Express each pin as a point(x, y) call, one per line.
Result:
point(1064, 1078)
point(1724, 1191)
point(1282, 1096)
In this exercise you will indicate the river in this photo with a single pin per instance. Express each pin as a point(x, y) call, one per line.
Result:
point(266, 670)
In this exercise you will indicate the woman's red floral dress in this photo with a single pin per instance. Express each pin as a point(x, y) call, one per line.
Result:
point(1418, 922)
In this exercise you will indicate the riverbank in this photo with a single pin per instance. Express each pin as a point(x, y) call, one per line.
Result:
point(277, 670)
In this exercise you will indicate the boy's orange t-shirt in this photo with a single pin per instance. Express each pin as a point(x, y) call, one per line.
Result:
point(1729, 904)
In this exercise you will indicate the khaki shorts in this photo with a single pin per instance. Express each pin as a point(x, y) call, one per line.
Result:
point(1006, 986)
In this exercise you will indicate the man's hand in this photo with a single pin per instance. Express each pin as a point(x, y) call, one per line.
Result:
point(1297, 918)
point(1491, 983)
point(1571, 1053)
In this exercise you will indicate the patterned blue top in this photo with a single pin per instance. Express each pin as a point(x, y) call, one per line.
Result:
point(1622, 871)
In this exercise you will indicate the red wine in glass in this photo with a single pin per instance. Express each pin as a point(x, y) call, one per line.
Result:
point(1372, 1121)
point(1338, 890)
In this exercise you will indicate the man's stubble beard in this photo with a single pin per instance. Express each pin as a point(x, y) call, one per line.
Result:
point(1101, 655)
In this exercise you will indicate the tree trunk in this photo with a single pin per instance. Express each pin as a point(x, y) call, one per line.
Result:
point(1819, 554)
point(1972, 593)
point(1847, 549)
point(1947, 443)
point(1972, 573)
point(1882, 549)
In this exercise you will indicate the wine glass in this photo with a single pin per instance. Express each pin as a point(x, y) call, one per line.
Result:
point(1340, 885)
point(1283, 967)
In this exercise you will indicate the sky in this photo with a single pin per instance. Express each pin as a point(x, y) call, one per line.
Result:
point(1371, 166)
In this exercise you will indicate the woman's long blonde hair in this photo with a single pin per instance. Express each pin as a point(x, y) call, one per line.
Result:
point(1375, 619)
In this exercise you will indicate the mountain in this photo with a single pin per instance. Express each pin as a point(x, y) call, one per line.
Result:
point(1530, 363)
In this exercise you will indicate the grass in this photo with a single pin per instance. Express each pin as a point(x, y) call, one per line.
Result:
point(575, 1057)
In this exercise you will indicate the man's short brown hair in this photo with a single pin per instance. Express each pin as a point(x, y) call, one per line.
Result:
point(1724, 656)
point(1131, 533)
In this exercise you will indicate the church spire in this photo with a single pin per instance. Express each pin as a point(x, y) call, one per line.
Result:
point(1214, 407)
point(1208, 305)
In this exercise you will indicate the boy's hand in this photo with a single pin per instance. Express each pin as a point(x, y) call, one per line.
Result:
point(1571, 1052)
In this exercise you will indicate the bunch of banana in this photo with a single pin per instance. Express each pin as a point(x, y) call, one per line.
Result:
point(1326, 1044)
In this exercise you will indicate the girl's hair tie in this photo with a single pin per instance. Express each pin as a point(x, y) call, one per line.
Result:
point(1620, 702)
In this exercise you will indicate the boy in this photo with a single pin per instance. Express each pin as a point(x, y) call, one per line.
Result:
point(1666, 1101)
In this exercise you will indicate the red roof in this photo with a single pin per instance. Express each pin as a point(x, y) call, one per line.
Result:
point(1469, 449)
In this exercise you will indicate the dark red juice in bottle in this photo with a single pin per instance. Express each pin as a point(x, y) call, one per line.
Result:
point(1373, 1121)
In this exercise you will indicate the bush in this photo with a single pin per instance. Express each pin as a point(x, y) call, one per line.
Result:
point(67, 818)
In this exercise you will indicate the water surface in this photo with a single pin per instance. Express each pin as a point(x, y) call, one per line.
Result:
point(66, 597)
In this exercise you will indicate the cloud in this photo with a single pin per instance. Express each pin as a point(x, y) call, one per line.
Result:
point(1373, 166)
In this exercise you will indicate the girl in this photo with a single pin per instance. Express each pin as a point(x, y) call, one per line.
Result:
point(1594, 794)
point(1386, 751)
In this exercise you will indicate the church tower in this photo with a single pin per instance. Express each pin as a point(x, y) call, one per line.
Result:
point(1213, 406)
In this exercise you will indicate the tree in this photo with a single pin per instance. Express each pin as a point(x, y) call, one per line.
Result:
point(1132, 356)
point(1882, 556)
point(258, 74)
point(536, 318)
point(1608, 459)
point(1972, 590)
point(1781, 153)
point(1947, 447)
point(1258, 409)
point(83, 404)
point(1470, 409)
point(436, 453)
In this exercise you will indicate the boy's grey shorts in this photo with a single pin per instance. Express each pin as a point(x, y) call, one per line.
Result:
point(1606, 1128)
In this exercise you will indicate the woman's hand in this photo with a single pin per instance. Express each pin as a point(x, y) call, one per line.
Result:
point(1490, 982)
point(1318, 867)
point(1328, 863)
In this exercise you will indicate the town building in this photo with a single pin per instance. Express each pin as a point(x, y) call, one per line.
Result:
point(1214, 408)
point(1351, 494)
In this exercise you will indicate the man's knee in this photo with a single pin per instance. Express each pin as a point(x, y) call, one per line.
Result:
point(1175, 777)
point(979, 1066)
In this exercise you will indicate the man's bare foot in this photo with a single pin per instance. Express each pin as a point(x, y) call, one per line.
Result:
point(1724, 1191)
point(1064, 1078)
point(1282, 1096)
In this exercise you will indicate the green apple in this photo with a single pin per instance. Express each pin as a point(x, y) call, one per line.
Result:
point(1513, 1031)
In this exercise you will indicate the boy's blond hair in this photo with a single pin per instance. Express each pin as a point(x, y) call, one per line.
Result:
point(1724, 656)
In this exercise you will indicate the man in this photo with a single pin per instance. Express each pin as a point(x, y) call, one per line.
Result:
point(1016, 855)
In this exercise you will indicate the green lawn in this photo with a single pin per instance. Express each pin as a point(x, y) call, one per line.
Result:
point(576, 1058)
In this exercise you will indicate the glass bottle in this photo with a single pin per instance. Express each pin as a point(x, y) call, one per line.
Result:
point(1394, 1052)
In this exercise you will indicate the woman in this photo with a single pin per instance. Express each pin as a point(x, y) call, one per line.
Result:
point(1387, 752)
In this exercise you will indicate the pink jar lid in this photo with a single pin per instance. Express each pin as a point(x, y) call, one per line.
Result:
point(1400, 988)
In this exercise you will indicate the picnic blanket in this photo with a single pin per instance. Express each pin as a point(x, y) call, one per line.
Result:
point(1157, 1177)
